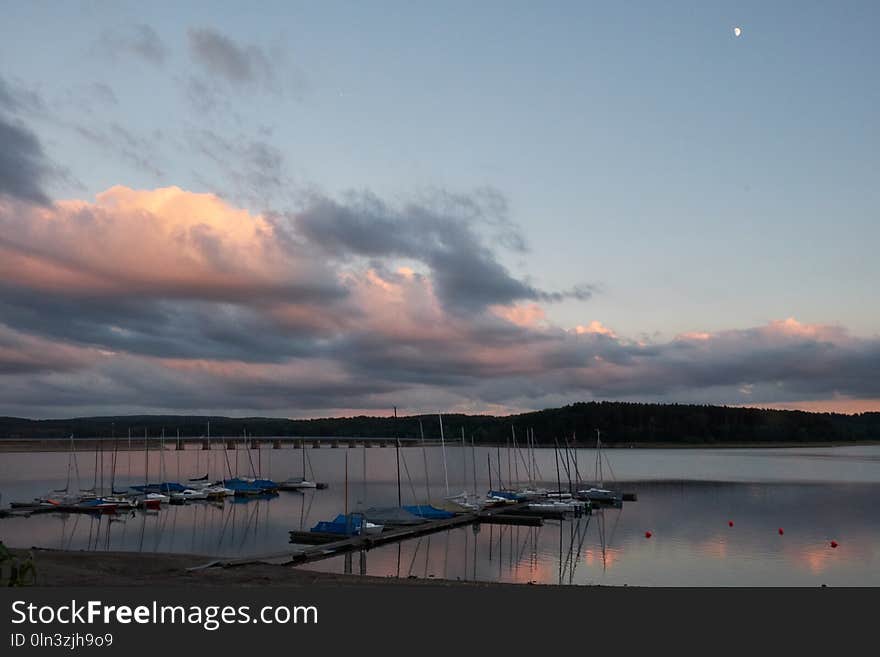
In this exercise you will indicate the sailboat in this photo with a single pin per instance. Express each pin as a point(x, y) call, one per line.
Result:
point(298, 483)
point(598, 493)
point(450, 505)
point(347, 524)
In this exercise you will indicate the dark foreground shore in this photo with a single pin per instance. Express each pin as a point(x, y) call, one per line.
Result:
point(81, 568)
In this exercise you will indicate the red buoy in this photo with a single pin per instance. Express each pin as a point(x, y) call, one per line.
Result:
point(730, 523)
point(648, 534)
point(834, 544)
point(780, 531)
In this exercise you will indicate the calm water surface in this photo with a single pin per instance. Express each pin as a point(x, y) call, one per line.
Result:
point(686, 497)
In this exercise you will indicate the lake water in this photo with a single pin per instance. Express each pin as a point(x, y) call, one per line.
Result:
point(686, 499)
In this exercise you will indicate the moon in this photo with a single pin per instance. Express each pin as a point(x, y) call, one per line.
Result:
point(737, 31)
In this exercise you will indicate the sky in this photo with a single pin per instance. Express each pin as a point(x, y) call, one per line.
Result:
point(313, 209)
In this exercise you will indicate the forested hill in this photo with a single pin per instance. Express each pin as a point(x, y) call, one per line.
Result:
point(619, 423)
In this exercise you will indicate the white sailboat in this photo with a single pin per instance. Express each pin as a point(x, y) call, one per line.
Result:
point(297, 483)
point(597, 492)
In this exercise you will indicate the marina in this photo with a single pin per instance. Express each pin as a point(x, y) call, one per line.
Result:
point(687, 517)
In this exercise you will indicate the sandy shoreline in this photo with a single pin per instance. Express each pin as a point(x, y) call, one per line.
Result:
point(82, 568)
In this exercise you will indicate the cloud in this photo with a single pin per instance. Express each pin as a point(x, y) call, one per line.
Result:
point(252, 170)
point(139, 40)
point(226, 65)
point(224, 58)
point(165, 243)
point(466, 273)
point(16, 98)
point(24, 166)
point(169, 300)
point(139, 152)
point(22, 354)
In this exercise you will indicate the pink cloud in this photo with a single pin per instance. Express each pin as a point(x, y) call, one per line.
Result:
point(529, 315)
point(165, 241)
point(595, 327)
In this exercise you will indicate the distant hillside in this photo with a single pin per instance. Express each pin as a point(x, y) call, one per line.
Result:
point(619, 422)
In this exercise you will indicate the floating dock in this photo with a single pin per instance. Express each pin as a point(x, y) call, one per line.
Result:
point(322, 547)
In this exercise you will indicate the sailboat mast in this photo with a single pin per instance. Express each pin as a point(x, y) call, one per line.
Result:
point(69, 465)
point(115, 456)
point(425, 458)
point(463, 463)
point(146, 460)
point(397, 454)
point(474, 464)
point(95, 480)
point(129, 456)
point(489, 466)
point(515, 455)
point(509, 471)
point(443, 447)
point(558, 479)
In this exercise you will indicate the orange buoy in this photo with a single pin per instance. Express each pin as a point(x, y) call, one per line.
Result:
point(780, 531)
point(648, 534)
point(730, 523)
point(834, 544)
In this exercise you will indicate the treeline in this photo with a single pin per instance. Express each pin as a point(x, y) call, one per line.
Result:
point(619, 422)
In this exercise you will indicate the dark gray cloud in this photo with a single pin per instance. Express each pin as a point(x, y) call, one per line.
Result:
point(159, 328)
point(24, 166)
point(466, 271)
point(139, 40)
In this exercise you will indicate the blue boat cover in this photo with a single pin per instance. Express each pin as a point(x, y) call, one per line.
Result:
point(429, 512)
point(261, 484)
point(346, 525)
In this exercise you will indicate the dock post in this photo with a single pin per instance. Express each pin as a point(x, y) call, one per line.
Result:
point(230, 444)
point(206, 444)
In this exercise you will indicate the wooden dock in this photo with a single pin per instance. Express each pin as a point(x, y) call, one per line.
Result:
point(325, 550)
